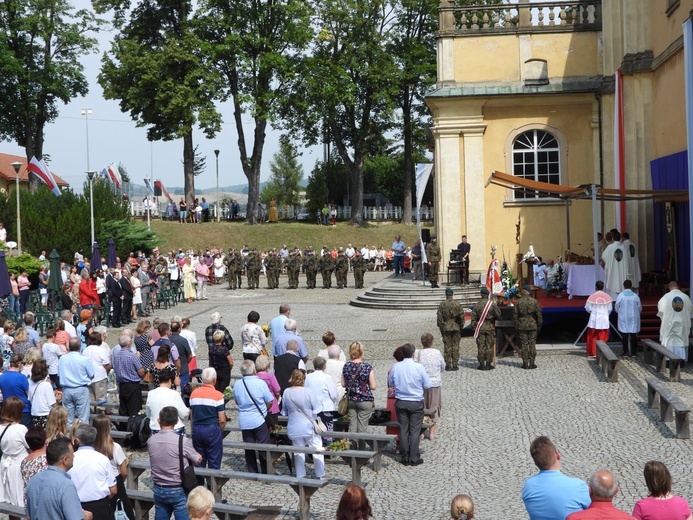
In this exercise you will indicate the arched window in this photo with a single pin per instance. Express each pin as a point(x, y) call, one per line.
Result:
point(537, 157)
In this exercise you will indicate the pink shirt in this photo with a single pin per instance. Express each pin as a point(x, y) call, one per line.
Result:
point(23, 283)
point(273, 386)
point(650, 508)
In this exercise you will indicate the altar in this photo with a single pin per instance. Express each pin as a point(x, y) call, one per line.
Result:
point(581, 279)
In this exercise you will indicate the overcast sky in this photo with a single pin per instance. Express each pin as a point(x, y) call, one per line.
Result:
point(113, 137)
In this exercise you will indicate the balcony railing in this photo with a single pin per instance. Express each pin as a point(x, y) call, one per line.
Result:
point(521, 16)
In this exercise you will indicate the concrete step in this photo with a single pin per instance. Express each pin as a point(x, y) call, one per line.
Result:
point(400, 293)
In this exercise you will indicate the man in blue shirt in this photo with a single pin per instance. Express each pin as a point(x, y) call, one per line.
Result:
point(398, 249)
point(75, 372)
point(289, 334)
point(51, 494)
point(550, 494)
point(409, 380)
point(277, 323)
point(128, 373)
point(34, 337)
point(252, 396)
point(15, 384)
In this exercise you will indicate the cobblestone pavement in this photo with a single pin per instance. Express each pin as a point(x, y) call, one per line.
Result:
point(489, 418)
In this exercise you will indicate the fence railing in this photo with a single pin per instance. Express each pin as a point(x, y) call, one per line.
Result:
point(374, 213)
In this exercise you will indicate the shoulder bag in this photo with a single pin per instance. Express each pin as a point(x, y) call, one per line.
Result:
point(3, 434)
point(187, 475)
point(318, 426)
point(343, 405)
point(262, 350)
point(268, 422)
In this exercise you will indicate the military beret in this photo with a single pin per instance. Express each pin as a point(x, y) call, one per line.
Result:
point(527, 288)
point(434, 237)
point(449, 291)
point(484, 290)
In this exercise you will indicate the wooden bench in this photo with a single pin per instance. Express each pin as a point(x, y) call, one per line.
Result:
point(120, 437)
point(608, 361)
point(654, 352)
point(273, 452)
point(12, 511)
point(670, 406)
point(92, 404)
point(304, 487)
point(143, 502)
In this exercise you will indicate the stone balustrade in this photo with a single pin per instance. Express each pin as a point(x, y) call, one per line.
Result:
point(521, 16)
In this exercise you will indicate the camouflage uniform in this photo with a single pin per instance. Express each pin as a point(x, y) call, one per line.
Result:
point(310, 264)
point(278, 266)
point(326, 266)
point(293, 268)
point(233, 265)
point(341, 269)
point(270, 267)
point(253, 263)
point(486, 340)
point(433, 257)
point(527, 314)
point(358, 264)
point(450, 322)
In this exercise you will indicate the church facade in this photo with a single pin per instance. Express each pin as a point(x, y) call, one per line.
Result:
point(529, 89)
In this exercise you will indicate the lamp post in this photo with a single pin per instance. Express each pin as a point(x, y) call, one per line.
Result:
point(216, 153)
point(16, 166)
point(148, 204)
point(86, 112)
point(90, 176)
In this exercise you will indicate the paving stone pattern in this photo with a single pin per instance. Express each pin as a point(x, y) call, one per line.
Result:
point(489, 418)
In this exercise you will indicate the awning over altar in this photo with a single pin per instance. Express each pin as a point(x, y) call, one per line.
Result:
point(583, 192)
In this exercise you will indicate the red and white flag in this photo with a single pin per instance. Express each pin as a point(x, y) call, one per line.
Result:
point(164, 191)
point(114, 175)
point(619, 150)
point(40, 169)
point(493, 279)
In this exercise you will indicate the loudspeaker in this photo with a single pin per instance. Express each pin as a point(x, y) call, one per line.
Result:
point(426, 235)
point(157, 191)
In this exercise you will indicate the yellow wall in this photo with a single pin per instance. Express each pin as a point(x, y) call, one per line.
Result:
point(668, 106)
point(665, 29)
point(488, 59)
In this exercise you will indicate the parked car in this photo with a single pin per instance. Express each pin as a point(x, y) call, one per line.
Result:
point(303, 214)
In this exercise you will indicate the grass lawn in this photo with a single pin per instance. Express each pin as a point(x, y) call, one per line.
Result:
point(227, 234)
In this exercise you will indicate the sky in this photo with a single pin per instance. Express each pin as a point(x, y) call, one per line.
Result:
point(113, 137)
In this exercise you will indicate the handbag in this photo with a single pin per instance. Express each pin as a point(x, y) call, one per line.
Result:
point(148, 377)
point(187, 475)
point(120, 513)
point(343, 406)
point(267, 419)
point(318, 426)
point(263, 351)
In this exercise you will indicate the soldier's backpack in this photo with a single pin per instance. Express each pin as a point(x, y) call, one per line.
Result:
point(138, 425)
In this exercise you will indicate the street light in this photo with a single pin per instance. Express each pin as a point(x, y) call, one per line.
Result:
point(90, 176)
point(216, 152)
point(16, 166)
point(87, 112)
point(147, 204)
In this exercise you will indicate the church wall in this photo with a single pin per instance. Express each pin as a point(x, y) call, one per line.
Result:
point(668, 104)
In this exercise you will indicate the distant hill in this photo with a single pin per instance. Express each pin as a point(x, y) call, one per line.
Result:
point(237, 188)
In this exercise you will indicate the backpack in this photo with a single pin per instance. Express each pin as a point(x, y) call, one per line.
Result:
point(138, 425)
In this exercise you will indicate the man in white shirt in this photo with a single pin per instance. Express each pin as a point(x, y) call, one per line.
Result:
point(676, 311)
point(365, 252)
point(66, 315)
point(628, 307)
point(324, 387)
point(334, 366)
point(92, 475)
point(350, 252)
point(160, 398)
point(100, 357)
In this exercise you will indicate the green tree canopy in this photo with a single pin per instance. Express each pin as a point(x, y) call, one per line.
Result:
point(41, 42)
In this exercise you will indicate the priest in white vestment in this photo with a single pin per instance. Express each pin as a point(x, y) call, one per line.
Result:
point(675, 310)
point(615, 265)
point(599, 305)
point(631, 252)
point(628, 307)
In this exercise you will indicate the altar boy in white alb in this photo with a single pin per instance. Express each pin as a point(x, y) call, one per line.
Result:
point(676, 311)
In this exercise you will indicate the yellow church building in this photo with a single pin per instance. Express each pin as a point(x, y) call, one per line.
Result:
point(530, 89)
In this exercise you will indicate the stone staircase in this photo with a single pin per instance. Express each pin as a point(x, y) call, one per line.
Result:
point(404, 294)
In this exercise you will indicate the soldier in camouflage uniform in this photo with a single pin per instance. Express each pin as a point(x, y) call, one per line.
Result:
point(326, 266)
point(359, 265)
point(486, 340)
point(293, 269)
point(253, 264)
point(450, 322)
point(278, 266)
point(270, 267)
point(341, 268)
point(433, 257)
point(528, 318)
point(310, 265)
point(233, 263)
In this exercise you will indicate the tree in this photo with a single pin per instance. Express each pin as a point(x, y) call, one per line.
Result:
point(413, 45)
point(327, 182)
point(344, 92)
point(287, 173)
point(41, 42)
point(124, 175)
point(254, 45)
point(155, 69)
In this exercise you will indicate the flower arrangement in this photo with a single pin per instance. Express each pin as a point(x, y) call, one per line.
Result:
point(557, 285)
point(266, 329)
point(338, 445)
point(58, 396)
point(510, 286)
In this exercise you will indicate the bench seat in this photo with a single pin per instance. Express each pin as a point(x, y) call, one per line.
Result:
point(671, 406)
point(143, 502)
point(607, 361)
point(654, 352)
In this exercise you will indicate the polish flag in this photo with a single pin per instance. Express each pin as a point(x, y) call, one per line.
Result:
point(164, 191)
point(619, 150)
point(114, 175)
point(40, 169)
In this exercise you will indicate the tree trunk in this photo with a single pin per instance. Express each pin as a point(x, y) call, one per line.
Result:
point(356, 172)
point(408, 166)
point(189, 168)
